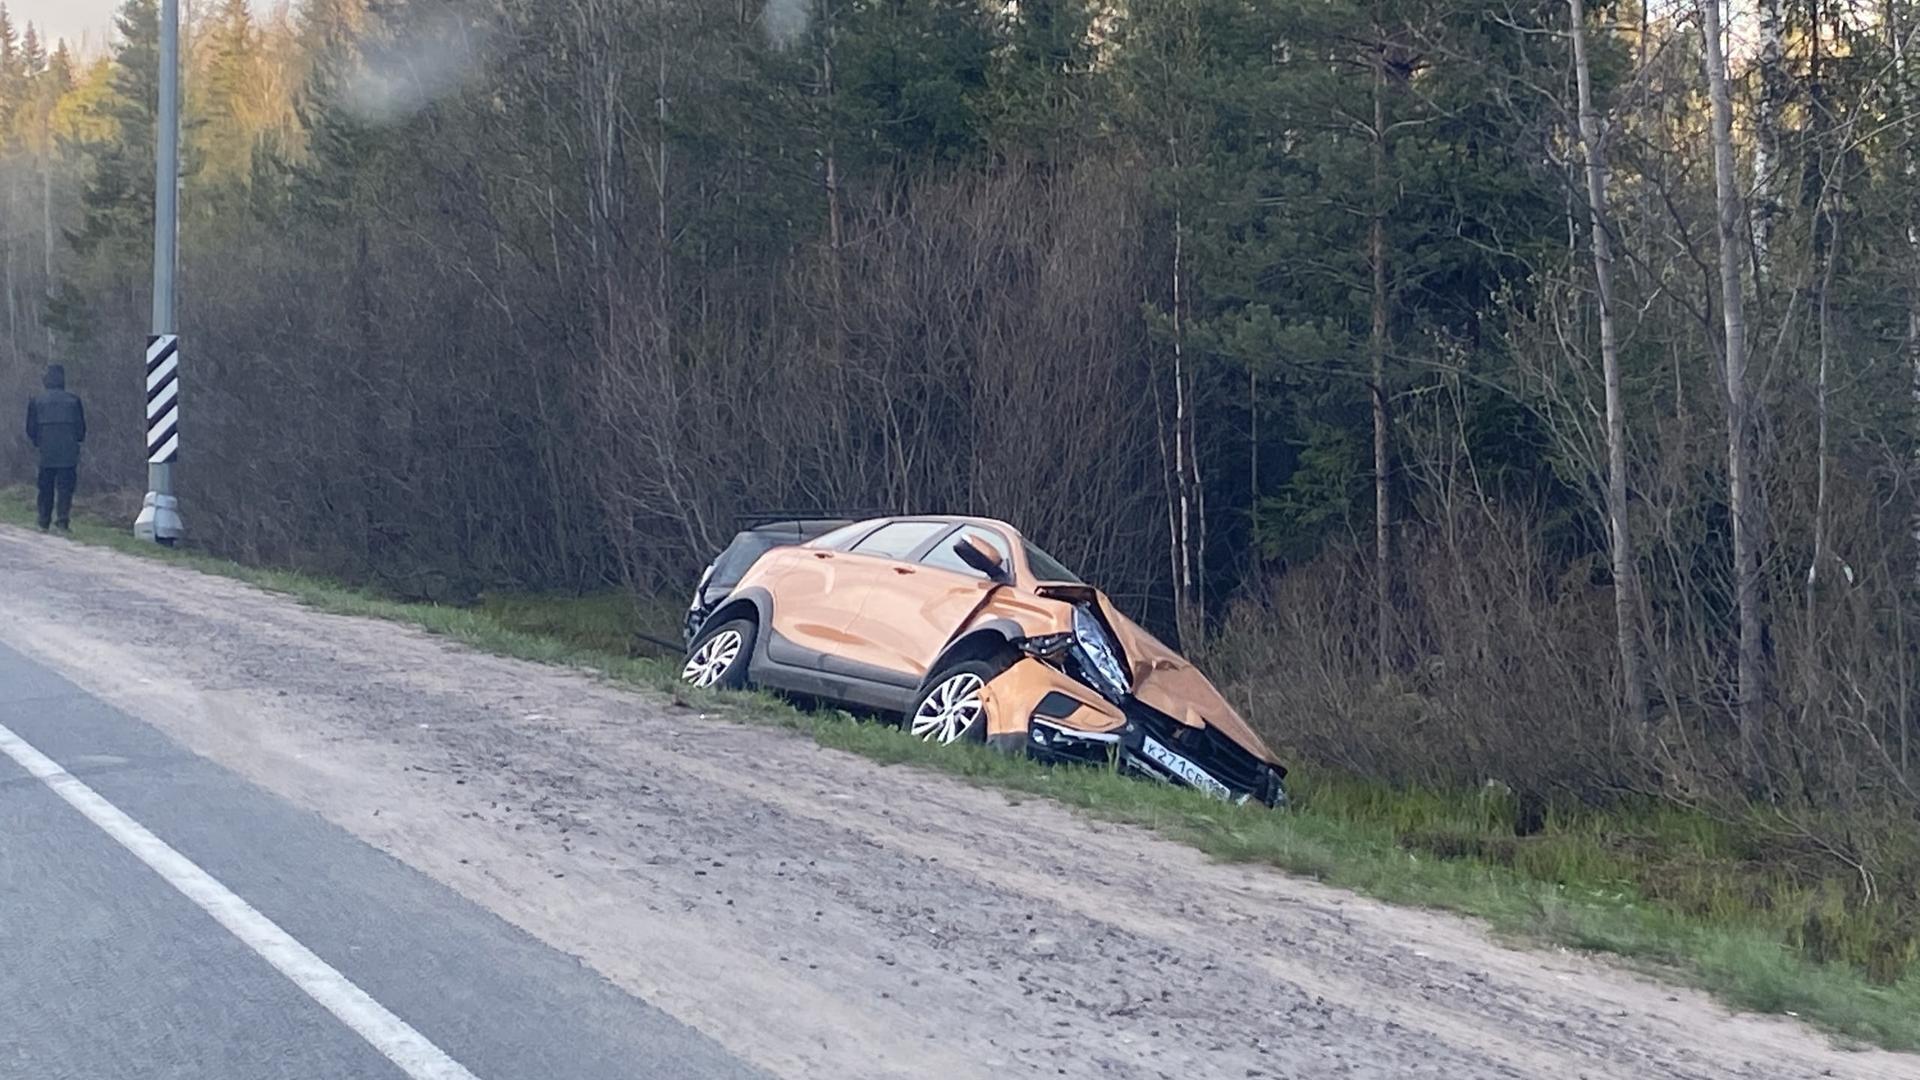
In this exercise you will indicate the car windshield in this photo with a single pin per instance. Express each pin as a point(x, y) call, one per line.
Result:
point(1047, 568)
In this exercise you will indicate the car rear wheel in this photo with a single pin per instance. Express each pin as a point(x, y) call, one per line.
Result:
point(952, 708)
point(718, 658)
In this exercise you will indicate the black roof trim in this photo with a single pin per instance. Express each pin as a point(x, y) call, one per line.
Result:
point(758, 519)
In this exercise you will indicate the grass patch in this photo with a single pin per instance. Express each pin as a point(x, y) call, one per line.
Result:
point(608, 622)
point(1659, 886)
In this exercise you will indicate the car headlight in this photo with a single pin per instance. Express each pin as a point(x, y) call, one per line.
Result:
point(1100, 658)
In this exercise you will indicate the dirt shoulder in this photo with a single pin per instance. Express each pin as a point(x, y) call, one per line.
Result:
point(822, 915)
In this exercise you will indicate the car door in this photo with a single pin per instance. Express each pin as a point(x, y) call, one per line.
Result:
point(906, 619)
point(809, 599)
point(875, 565)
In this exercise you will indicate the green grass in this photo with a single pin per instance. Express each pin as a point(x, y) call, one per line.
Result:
point(602, 622)
point(1664, 888)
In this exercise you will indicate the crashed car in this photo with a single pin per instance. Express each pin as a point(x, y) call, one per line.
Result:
point(969, 632)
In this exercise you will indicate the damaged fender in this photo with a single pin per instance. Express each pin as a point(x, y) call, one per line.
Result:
point(1032, 692)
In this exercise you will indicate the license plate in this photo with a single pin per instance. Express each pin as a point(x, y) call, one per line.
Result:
point(1185, 770)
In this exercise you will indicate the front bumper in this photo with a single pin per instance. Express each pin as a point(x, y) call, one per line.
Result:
point(1165, 749)
point(1039, 709)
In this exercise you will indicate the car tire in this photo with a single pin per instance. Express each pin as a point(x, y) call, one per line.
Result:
point(949, 708)
point(718, 657)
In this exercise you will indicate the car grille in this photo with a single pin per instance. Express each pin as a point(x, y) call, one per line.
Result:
point(1227, 761)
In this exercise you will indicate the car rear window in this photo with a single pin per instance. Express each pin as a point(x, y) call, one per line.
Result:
point(733, 563)
point(898, 539)
point(739, 556)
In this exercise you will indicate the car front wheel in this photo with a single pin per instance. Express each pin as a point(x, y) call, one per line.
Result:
point(952, 708)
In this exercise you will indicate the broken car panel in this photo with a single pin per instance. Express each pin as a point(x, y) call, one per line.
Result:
point(968, 631)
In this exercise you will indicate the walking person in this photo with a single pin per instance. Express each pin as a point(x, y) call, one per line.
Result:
point(56, 426)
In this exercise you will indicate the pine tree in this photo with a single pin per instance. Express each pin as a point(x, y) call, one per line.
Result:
point(60, 68)
point(339, 144)
point(911, 75)
point(232, 100)
point(1276, 177)
point(33, 54)
point(117, 201)
point(1045, 81)
point(13, 73)
point(15, 113)
point(9, 42)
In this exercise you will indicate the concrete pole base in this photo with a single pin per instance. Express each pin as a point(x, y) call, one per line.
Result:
point(159, 520)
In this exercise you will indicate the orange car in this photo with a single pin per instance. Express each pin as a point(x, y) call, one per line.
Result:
point(969, 632)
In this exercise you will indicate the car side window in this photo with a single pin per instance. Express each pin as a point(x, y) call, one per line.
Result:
point(840, 538)
point(898, 539)
point(942, 555)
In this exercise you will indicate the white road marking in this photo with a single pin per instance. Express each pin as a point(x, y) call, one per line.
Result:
point(392, 1036)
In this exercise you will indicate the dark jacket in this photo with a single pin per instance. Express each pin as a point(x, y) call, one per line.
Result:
point(57, 422)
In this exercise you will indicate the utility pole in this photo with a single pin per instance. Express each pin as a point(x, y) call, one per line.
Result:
point(159, 519)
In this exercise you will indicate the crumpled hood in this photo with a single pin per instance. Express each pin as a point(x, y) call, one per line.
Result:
point(1164, 680)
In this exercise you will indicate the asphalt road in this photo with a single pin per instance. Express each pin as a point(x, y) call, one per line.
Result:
point(108, 970)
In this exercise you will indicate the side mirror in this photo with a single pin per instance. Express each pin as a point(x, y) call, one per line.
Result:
point(978, 556)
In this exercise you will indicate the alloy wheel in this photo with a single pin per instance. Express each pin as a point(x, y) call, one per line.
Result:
point(949, 710)
point(711, 660)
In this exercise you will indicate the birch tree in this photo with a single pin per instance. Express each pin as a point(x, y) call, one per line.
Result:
point(1740, 481)
point(1901, 27)
point(1619, 529)
point(1377, 345)
point(1768, 166)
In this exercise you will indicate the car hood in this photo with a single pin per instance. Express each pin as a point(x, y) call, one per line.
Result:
point(1164, 680)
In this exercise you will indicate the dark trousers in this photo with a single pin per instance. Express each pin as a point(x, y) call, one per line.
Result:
point(56, 495)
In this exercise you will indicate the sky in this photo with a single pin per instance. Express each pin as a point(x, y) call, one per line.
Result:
point(81, 22)
point(70, 19)
point(86, 23)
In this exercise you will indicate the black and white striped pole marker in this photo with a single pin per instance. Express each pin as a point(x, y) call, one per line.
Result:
point(159, 519)
point(163, 399)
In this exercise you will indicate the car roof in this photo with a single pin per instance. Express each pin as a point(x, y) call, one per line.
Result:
point(1016, 538)
point(949, 519)
point(805, 527)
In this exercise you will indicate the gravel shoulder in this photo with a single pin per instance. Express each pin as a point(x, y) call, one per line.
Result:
point(820, 915)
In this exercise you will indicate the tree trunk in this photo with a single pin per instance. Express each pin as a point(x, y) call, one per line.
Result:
point(13, 301)
point(1767, 162)
point(1377, 348)
point(663, 231)
point(1187, 612)
point(1827, 243)
point(1740, 481)
point(1903, 101)
point(1903, 98)
point(1831, 176)
point(364, 409)
point(1256, 564)
point(1625, 571)
point(835, 226)
point(46, 224)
